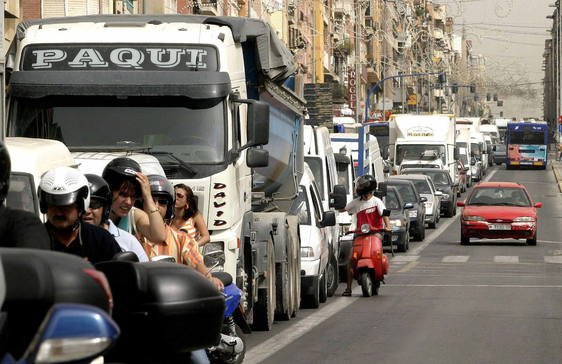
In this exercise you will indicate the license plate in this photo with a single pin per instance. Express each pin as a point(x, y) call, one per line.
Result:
point(499, 227)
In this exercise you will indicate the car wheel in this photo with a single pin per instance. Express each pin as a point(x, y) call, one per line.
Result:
point(450, 212)
point(403, 246)
point(332, 276)
point(407, 239)
point(433, 223)
point(532, 241)
point(323, 288)
point(420, 233)
point(454, 213)
point(465, 240)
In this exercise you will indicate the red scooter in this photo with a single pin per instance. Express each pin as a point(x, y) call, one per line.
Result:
point(370, 265)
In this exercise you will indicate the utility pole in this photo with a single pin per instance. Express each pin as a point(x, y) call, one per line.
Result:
point(358, 22)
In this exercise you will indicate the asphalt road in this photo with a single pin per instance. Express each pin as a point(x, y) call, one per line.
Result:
point(490, 302)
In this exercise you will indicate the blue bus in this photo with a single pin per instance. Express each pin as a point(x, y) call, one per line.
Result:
point(527, 144)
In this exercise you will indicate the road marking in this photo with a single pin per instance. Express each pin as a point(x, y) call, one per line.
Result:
point(404, 258)
point(455, 259)
point(549, 242)
point(475, 285)
point(408, 267)
point(277, 342)
point(506, 259)
point(554, 259)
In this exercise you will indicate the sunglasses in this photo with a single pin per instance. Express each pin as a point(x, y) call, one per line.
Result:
point(95, 204)
point(161, 202)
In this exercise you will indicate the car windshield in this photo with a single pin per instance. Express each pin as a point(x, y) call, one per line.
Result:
point(419, 152)
point(499, 196)
point(391, 201)
point(422, 186)
point(22, 193)
point(300, 207)
point(406, 192)
point(440, 178)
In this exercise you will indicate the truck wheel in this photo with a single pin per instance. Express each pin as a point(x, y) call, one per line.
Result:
point(332, 276)
point(324, 287)
point(296, 276)
point(264, 309)
point(366, 284)
point(283, 291)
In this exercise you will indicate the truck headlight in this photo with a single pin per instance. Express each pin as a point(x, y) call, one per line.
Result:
point(397, 223)
point(413, 213)
point(307, 252)
point(213, 254)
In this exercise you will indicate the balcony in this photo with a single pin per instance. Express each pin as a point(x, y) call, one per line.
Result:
point(208, 7)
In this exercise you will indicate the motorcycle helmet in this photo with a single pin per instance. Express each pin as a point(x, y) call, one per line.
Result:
point(63, 186)
point(5, 169)
point(99, 189)
point(365, 184)
point(119, 170)
point(160, 187)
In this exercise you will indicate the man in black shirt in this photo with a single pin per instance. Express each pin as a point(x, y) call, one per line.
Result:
point(64, 196)
point(18, 229)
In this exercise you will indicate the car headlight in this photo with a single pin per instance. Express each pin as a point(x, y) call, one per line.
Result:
point(396, 223)
point(473, 218)
point(524, 218)
point(213, 254)
point(413, 213)
point(307, 252)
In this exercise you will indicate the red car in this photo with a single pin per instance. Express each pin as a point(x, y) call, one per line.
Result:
point(499, 210)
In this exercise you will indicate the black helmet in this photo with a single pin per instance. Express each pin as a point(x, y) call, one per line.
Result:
point(5, 169)
point(161, 187)
point(365, 184)
point(99, 190)
point(119, 170)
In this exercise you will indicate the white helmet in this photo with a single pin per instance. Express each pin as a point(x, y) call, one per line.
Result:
point(63, 186)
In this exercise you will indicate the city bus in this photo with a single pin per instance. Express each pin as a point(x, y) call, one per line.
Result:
point(527, 144)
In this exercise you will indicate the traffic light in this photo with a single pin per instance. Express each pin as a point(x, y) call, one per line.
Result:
point(455, 89)
point(476, 97)
point(495, 97)
point(442, 78)
point(472, 89)
point(488, 97)
point(500, 103)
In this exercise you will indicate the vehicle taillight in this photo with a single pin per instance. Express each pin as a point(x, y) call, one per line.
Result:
point(101, 279)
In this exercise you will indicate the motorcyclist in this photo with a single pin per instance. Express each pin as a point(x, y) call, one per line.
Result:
point(367, 209)
point(64, 196)
point(18, 228)
point(127, 183)
point(98, 214)
point(177, 244)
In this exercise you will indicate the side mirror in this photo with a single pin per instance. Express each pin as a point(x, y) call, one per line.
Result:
point(423, 199)
point(408, 206)
point(438, 193)
point(386, 212)
point(126, 257)
point(538, 205)
point(460, 203)
point(72, 333)
point(256, 158)
point(338, 198)
point(328, 219)
point(386, 169)
point(258, 122)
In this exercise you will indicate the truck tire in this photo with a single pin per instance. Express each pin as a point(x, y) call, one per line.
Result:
point(293, 259)
point(264, 308)
point(332, 276)
point(283, 288)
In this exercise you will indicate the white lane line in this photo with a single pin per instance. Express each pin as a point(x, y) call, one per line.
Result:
point(408, 267)
point(506, 259)
point(277, 342)
point(475, 285)
point(455, 259)
point(404, 258)
point(557, 259)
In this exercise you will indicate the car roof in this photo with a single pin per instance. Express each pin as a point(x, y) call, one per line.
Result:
point(395, 180)
point(499, 184)
point(413, 177)
point(410, 171)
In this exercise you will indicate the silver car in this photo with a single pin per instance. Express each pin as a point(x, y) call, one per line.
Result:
point(426, 188)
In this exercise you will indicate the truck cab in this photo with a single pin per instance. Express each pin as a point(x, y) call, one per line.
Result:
point(30, 159)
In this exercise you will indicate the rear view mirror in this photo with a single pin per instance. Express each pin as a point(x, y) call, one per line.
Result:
point(408, 205)
point(338, 199)
point(423, 199)
point(538, 205)
point(328, 219)
point(72, 333)
point(460, 203)
point(256, 158)
point(258, 122)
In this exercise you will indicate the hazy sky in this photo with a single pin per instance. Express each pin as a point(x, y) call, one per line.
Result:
point(511, 35)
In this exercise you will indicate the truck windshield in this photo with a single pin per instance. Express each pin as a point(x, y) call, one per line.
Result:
point(418, 151)
point(22, 193)
point(191, 131)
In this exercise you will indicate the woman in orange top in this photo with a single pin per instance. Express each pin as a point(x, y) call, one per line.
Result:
point(187, 217)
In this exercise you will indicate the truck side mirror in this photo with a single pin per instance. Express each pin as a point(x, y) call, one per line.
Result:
point(256, 158)
point(408, 206)
point(258, 122)
point(338, 198)
point(328, 219)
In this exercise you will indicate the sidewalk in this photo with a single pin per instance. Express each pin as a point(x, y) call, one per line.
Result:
point(557, 169)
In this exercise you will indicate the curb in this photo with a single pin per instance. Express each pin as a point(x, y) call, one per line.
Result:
point(557, 176)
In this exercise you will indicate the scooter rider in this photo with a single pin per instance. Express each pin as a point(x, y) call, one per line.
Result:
point(98, 214)
point(367, 209)
point(64, 196)
point(18, 228)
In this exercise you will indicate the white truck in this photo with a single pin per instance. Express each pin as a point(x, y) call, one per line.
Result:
point(203, 94)
point(416, 135)
point(365, 152)
point(465, 151)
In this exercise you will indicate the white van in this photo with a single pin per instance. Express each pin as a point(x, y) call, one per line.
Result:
point(314, 231)
point(30, 159)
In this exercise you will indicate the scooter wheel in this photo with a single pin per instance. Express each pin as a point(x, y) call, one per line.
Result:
point(366, 284)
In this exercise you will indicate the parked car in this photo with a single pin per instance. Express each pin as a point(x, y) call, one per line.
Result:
point(463, 176)
point(499, 210)
point(427, 189)
point(398, 218)
point(500, 154)
point(444, 183)
point(314, 225)
point(410, 194)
